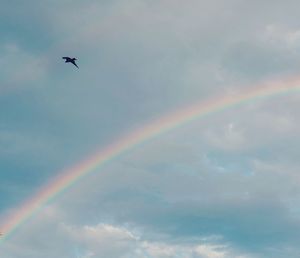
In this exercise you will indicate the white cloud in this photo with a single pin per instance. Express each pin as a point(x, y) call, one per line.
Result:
point(50, 235)
point(103, 240)
point(20, 68)
point(211, 251)
point(287, 36)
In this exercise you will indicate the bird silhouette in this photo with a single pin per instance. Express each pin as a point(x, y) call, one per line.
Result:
point(70, 60)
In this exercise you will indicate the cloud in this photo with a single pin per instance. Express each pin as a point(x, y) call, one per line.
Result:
point(104, 239)
point(21, 69)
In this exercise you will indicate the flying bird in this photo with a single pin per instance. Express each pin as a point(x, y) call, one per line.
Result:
point(70, 60)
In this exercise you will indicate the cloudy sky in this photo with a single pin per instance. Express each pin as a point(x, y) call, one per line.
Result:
point(224, 186)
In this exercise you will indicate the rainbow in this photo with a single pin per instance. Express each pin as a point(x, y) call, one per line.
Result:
point(70, 177)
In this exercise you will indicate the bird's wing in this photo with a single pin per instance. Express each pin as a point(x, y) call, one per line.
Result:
point(65, 57)
point(73, 62)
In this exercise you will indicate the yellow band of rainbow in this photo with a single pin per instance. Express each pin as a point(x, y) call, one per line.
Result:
point(68, 178)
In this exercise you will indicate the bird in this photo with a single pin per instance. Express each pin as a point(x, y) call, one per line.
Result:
point(70, 60)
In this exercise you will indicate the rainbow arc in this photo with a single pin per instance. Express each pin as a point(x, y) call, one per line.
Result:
point(72, 176)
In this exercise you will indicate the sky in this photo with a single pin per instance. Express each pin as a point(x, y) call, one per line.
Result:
point(222, 186)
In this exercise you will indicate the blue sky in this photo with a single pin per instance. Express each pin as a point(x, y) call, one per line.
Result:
point(221, 187)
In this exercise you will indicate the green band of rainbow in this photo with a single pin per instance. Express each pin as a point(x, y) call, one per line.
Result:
point(155, 128)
